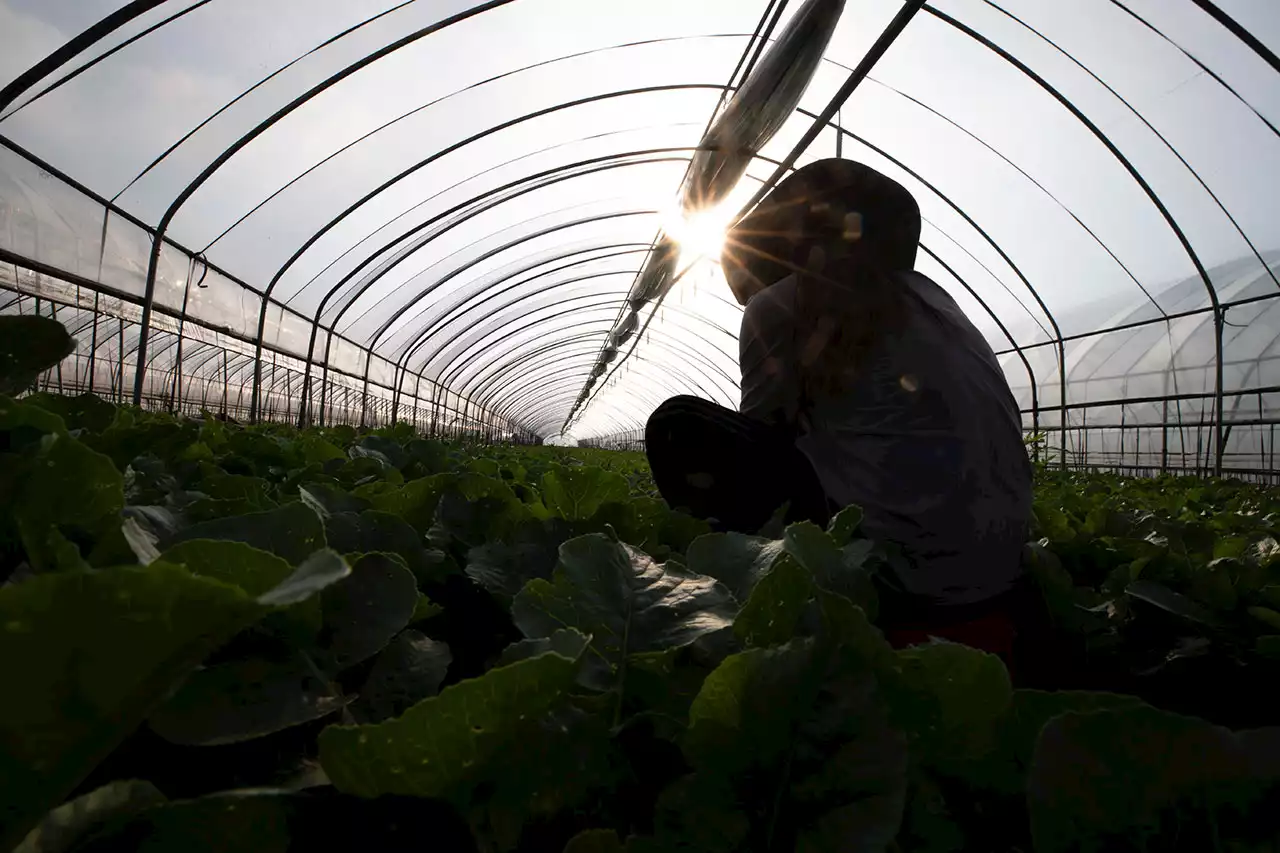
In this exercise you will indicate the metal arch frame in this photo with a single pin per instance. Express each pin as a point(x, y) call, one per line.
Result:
point(172, 211)
point(405, 213)
point(495, 385)
point(494, 252)
point(455, 93)
point(1146, 188)
point(1164, 140)
point(449, 370)
point(468, 204)
point(1205, 68)
point(569, 373)
point(64, 54)
point(562, 372)
point(453, 369)
point(408, 253)
point(538, 395)
point(556, 397)
point(492, 392)
point(485, 256)
point(258, 356)
point(551, 403)
point(500, 287)
point(390, 264)
point(551, 260)
point(440, 350)
point(1240, 32)
point(71, 75)
point(438, 155)
point(500, 385)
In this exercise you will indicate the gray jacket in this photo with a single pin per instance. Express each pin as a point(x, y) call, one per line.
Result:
point(928, 440)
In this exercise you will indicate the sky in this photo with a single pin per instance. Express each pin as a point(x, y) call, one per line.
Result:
point(1012, 185)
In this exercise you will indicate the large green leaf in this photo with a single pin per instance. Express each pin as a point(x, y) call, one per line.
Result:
point(475, 510)
point(624, 601)
point(447, 745)
point(372, 530)
point(800, 738)
point(1136, 775)
point(365, 610)
point(242, 700)
point(67, 487)
point(562, 761)
point(840, 569)
point(1005, 767)
point(410, 669)
point(388, 448)
point(329, 500)
point(415, 501)
point(293, 531)
point(315, 450)
point(566, 641)
point(777, 603)
point(30, 345)
point(84, 411)
point(84, 657)
point(845, 525)
point(577, 493)
point(63, 827)
point(950, 699)
point(267, 577)
point(735, 559)
point(503, 567)
point(253, 570)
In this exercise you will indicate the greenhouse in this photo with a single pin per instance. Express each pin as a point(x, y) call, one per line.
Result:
point(348, 214)
point(341, 505)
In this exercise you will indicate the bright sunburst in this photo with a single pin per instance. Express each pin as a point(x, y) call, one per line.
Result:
point(700, 234)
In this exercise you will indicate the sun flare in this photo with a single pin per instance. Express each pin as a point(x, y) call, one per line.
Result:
point(701, 234)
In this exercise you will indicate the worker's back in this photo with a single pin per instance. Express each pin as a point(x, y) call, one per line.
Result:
point(927, 440)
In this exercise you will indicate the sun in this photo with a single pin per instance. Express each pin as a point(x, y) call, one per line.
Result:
point(701, 234)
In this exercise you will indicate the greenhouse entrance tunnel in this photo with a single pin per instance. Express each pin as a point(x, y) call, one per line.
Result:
point(347, 213)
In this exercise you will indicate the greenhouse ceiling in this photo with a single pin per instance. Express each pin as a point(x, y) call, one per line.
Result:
point(466, 194)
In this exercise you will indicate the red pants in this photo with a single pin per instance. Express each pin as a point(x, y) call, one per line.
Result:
point(992, 633)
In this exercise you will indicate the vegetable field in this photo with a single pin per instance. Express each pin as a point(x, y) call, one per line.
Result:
point(225, 637)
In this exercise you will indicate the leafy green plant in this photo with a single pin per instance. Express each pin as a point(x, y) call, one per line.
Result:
point(215, 635)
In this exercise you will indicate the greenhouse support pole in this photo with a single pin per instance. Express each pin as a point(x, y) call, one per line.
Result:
point(1220, 437)
point(93, 342)
point(120, 361)
point(1164, 438)
point(175, 399)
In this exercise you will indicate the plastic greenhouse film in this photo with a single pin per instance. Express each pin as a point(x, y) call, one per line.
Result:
point(761, 105)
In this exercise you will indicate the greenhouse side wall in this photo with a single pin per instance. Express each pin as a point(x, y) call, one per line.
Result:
point(202, 352)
